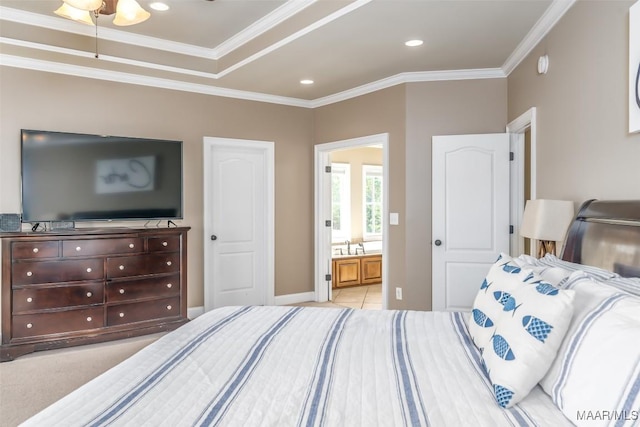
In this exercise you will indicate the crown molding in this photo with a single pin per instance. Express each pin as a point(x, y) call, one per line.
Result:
point(137, 79)
point(414, 77)
point(306, 30)
point(69, 26)
point(140, 80)
point(547, 21)
point(266, 23)
point(107, 58)
point(551, 16)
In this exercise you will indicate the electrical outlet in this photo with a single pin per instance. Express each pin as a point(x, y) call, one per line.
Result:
point(398, 293)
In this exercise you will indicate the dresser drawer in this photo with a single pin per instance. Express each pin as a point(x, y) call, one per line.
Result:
point(141, 311)
point(58, 322)
point(47, 297)
point(139, 265)
point(129, 290)
point(34, 250)
point(164, 244)
point(25, 273)
point(75, 287)
point(89, 247)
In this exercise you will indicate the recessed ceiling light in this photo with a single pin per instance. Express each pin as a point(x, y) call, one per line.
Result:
point(413, 43)
point(306, 81)
point(159, 6)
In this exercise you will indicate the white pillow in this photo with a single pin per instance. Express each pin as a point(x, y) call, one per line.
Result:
point(595, 272)
point(527, 336)
point(526, 260)
point(548, 268)
point(627, 284)
point(503, 277)
point(595, 379)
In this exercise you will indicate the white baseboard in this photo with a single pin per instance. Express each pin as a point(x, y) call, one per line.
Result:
point(295, 298)
point(193, 312)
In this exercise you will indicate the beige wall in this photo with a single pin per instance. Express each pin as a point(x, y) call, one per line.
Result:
point(379, 112)
point(45, 101)
point(357, 157)
point(412, 114)
point(440, 108)
point(584, 149)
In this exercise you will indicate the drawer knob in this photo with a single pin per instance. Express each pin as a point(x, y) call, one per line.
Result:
point(29, 273)
point(78, 248)
point(121, 291)
point(121, 267)
point(168, 307)
point(89, 294)
point(29, 299)
point(35, 250)
point(168, 262)
point(164, 244)
point(169, 285)
point(89, 319)
point(89, 270)
point(131, 245)
point(121, 314)
point(29, 325)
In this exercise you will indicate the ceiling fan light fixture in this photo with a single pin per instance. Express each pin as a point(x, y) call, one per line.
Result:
point(129, 12)
point(74, 14)
point(87, 5)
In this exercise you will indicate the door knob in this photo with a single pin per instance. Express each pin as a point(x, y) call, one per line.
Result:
point(214, 237)
point(438, 242)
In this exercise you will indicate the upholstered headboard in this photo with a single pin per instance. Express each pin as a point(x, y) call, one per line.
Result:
point(606, 234)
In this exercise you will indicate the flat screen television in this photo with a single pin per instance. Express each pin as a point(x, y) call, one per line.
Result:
point(80, 177)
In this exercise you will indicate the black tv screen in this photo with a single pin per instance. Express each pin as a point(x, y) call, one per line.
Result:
point(79, 177)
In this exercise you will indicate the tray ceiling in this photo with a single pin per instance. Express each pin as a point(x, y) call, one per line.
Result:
point(261, 49)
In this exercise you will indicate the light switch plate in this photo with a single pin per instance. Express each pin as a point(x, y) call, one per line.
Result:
point(393, 218)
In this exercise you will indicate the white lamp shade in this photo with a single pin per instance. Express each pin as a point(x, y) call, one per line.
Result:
point(129, 12)
point(88, 5)
point(78, 15)
point(546, 219)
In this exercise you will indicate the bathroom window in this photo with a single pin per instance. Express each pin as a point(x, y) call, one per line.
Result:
point(372, 202)
point(340, 202)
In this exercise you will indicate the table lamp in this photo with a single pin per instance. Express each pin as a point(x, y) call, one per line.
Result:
point(546, 221)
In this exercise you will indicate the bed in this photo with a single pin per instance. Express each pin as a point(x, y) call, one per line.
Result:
point(286, 366)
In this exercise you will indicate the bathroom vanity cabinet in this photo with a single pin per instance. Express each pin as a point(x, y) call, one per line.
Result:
point(354, 270)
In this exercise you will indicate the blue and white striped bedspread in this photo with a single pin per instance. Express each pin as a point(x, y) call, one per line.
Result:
point(292, 366)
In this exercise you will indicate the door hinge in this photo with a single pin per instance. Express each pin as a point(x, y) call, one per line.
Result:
point(512, 156)
point(327, 277)
point(511, 229)
point(327, 169)
point(327, 223)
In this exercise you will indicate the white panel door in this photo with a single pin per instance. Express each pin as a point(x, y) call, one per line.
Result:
point(238, 223)
point(470, 214)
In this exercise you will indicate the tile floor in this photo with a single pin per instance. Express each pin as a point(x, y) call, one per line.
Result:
point(367, 297)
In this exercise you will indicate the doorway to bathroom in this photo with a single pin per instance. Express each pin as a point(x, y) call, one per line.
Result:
point(351, 221)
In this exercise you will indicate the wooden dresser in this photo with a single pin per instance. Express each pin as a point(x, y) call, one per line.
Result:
point(84, 286)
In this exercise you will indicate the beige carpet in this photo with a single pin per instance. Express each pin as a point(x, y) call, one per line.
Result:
point(32, 382)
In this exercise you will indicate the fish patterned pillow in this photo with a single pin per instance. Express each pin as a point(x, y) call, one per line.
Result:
point(534, 320)
point(555, 276)
point(503, 277)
